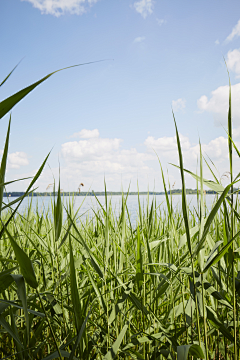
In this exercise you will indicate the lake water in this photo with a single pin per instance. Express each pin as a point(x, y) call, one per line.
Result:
point(88, 203)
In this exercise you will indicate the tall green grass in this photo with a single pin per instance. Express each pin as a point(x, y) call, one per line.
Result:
point(166, 287)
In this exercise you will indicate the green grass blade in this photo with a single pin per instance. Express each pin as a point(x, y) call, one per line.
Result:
point(215, 322)
point(139, 209)
point(98, 294)
point(194, 350)
point(8, 328)
point(7, 77)
point(221, 253)
point(211, 217)
point(74, 290)
point(84, 244)
point(14, 305)
point(112, 353)
point(80, 334)
point(139, 262)
point(213, 174)
point(7, 104)
point(19, 280)
point(24, 262)
point(184, 199)
point(4, 164)
point(209, 183)
point(26, 193)
point(55, 355)
point(5, 281)
point(19, 199)
point(58, 214)
point(38, 173)
point(230, 131)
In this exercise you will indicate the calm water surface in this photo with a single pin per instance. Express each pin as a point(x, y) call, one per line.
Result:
point(88, 203)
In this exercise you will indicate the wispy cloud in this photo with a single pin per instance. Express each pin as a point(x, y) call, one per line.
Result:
point(86, 134)
point(144, 7)
point(61, 7)
point(178, 104)
point(139, 39)
point(235, 32)
point(217, 42)
point(161, 21)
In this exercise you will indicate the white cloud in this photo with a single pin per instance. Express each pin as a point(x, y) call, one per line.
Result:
point(90, 160)
point(161, 22)
point(235, 32)
point(219, 102)
point(144, 7)
point(60, 7)
point(178, 104)
point(166, 148)
point(233, 61)
point(166, 144)
point(86, 134)
point(217, 149)
point(93, 158)
point(90, 149)
point(139, 39)
point(217, 42)
point(16, 160)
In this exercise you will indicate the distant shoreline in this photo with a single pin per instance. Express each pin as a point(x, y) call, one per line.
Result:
point(109, 193)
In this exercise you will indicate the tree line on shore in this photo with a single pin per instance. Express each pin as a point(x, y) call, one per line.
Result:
point(102, 193)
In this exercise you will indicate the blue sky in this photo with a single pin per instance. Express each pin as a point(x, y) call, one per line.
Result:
point(105, 119)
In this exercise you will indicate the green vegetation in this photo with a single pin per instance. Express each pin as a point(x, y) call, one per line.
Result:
point(103, 288)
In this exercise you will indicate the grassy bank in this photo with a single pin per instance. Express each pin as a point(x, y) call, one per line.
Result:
point(131, 284)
